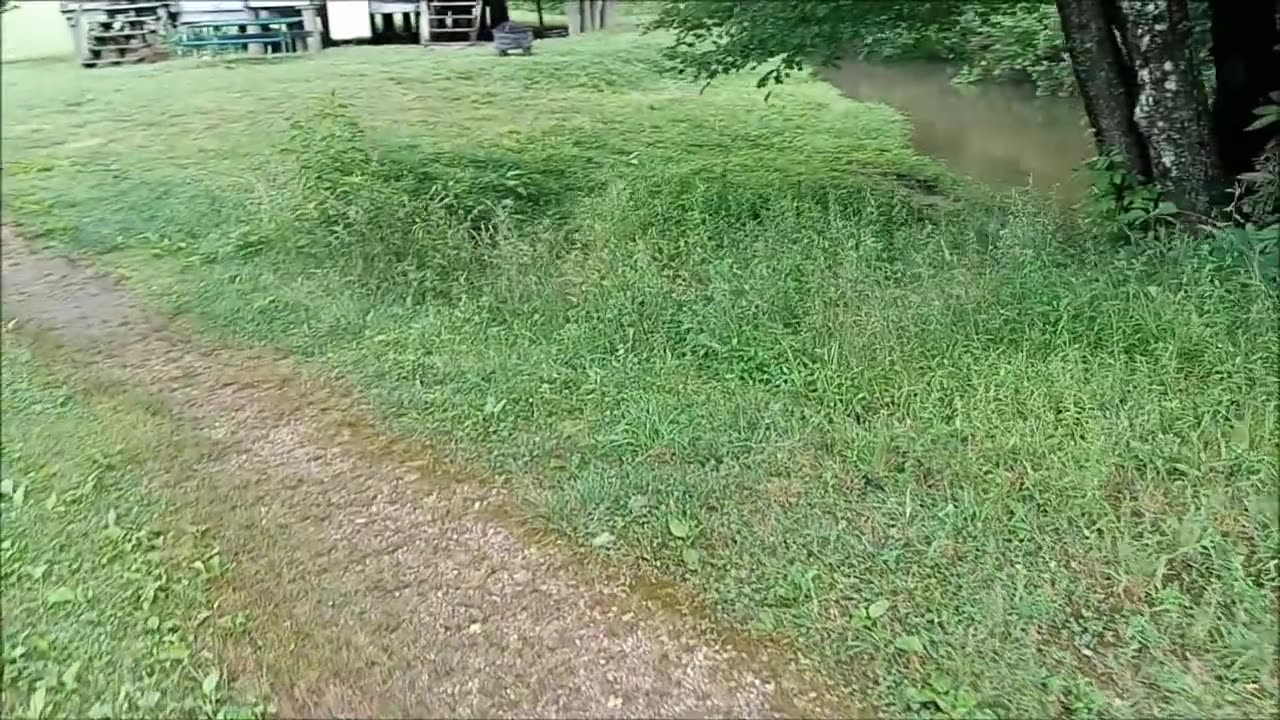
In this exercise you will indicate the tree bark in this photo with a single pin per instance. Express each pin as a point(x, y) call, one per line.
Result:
point(1245, 35)
point(1172, 111)
point(1106, 82)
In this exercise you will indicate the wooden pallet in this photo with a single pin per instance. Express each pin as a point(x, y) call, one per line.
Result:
point(449, 21)
point(108, 32)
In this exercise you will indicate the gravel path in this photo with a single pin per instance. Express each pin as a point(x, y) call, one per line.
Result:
point(394, 585)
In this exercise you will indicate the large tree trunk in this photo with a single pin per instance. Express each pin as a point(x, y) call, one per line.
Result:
point(1245, 36)
point(1172, 111)
point(1107, 84)
point(498, 13)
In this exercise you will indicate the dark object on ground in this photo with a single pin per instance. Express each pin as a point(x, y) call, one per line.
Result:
point(508, 36)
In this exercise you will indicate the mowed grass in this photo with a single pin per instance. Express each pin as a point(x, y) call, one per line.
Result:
point(962, 453)
point(34, 31)
point(108, 604)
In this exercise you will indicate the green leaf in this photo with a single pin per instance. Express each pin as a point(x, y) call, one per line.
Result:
point(909, 643)
point(35, 705)
point(100, 711)
point(149, 699)
point(679, 528)
point(603, 539)
point(210, 683)
point(917, 696)
point(1165, 208)
point(6, 487)
point(691, 558)
point(61, 595)
point(69, 675)
point(765, 621)
point(239, 712)
point(1240, 434)
point(176, 651)
point(1263, 122)
point(877, 609)
point(36, 572)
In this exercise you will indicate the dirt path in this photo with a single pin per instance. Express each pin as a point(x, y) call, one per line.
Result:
point(386, 582)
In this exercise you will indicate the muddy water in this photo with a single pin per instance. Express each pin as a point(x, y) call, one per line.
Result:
point(999, 134)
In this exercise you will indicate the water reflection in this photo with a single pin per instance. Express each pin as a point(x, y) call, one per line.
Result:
point(1002, 135)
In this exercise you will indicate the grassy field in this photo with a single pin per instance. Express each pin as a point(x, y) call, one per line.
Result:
point(964, 454)
point(34, 31)
point(108, 610)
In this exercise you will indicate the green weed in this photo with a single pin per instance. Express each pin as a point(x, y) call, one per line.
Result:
point(106, 606)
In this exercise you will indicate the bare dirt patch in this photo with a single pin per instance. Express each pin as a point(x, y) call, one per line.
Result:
point(384, 582)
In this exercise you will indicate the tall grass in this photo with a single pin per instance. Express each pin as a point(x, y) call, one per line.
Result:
point(964, 454)
point(804, 397)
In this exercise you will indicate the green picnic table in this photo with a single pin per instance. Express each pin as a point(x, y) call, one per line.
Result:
point(257, 36)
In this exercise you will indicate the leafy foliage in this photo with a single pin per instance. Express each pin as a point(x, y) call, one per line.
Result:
point(985, 41)
point(1120, 196)
point(107, 606)
point(1011, 41)
point(1248, 238)
point(714, 39)
point(1260, 188)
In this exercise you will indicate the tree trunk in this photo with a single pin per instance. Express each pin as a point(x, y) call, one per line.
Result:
point(498, 12)
point(590, 15)
point(1172, 111)
point(1245, 36)
point(1106, 82)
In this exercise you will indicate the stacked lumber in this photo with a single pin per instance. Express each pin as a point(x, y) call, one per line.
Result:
point(116, 32)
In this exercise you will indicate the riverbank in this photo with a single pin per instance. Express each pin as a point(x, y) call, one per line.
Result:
point(955, 450)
